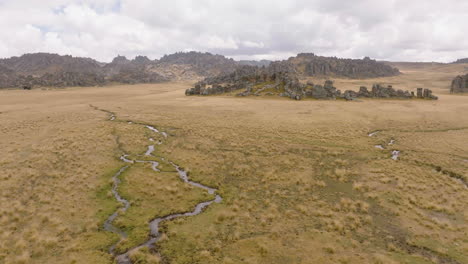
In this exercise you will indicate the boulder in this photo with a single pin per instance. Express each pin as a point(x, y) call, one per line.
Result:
point(363, 92)
point(419, 92)
point(460, 84)
point(350, 95)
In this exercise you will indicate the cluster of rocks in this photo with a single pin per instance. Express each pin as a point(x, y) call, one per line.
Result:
point(460, 84)
point(313, 65)
point(245, 77)
point(122, 70)
point(281, 78)
point(328, 91)
point(380, 91)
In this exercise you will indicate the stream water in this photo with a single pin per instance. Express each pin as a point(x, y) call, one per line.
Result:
point(154, 233)
point(126, 204)
point(395, 153)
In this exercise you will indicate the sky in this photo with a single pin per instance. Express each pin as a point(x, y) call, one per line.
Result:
point(395, 30)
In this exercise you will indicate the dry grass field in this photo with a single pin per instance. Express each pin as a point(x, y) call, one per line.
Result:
point(301, 181)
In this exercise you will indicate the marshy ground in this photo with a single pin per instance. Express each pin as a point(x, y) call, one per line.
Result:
point(301, 181)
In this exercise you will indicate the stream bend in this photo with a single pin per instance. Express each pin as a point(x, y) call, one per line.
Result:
point(154, 234)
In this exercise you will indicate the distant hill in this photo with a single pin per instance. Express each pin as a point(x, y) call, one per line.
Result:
point(465, 60)
point(310, 64)
point(204, 64)
point(37, 64)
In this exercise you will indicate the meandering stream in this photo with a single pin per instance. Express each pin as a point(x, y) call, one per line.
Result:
point(154, 233)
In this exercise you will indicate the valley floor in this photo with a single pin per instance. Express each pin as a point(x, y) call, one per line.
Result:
point(301, 181)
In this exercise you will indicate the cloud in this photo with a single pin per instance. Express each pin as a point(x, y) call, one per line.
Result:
point(418, 30)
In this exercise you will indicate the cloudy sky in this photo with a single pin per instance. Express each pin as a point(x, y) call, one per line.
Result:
point(398, 30)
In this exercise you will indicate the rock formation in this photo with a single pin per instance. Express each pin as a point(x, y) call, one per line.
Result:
point(281, 78)
point(122, 70)
point(460, 84)
point(464, 60)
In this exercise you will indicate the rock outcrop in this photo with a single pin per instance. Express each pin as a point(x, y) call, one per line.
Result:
point(310, 64)
point(464, 60)
point(138, 70)
point(460, 84)
point(281, 78)
point(380, 91)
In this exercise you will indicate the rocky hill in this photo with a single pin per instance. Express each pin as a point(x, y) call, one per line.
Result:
point(203, 64)
point(460, 84)
point(37, 64)
point(281, 79)
point(310, 64)
point(138, 70)
point(44, 69)
point(8, 78)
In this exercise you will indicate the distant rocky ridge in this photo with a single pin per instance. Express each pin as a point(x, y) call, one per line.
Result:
point(204, 64)
point(310, 64)
point(44, 69)
point(37, 64)
point(281, 79)
point(460, 84)
point(464, 60)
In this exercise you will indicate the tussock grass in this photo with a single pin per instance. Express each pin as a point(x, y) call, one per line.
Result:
point(301, 181)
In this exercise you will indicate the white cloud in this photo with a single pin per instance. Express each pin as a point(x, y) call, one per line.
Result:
point(418, 30)
point(216, 42)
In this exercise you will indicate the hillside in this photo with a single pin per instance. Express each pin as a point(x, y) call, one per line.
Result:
point(204, 64)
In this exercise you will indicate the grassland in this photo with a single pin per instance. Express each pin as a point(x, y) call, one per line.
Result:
point(302, 182)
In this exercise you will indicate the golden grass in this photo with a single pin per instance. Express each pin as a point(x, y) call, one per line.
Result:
point(301, 181)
